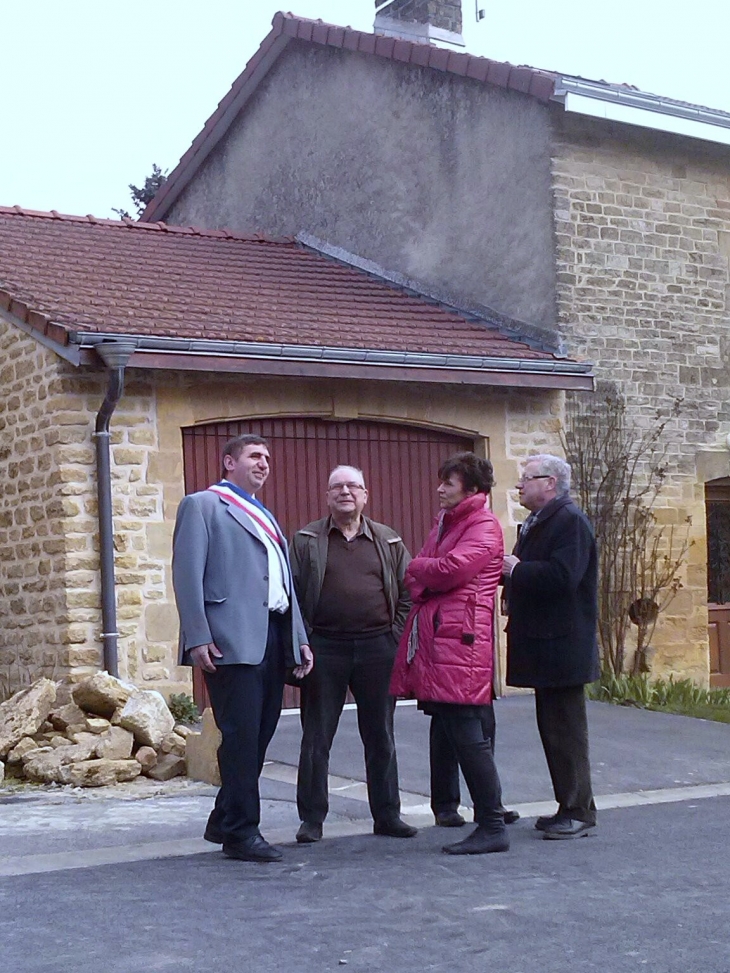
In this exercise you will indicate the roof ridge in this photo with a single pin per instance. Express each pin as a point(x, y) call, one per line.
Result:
point(126, 222)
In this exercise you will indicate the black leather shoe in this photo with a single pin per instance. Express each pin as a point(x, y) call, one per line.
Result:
point(309, 832)
point(213, 835)
point(479, 842)
point(565, 828)
point(397, 828)
point(450, 819)
point(546, 819)
point(253, 849)
point(511, 816)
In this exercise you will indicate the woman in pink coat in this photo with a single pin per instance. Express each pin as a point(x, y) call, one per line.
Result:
point(446, 655)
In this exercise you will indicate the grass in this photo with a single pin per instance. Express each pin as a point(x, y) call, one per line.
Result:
point(679, 696)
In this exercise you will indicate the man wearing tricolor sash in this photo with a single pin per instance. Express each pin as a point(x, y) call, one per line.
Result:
point(240, 622)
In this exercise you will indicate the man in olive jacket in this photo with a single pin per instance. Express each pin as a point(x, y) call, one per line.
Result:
point(551, 584)
point(348, 575)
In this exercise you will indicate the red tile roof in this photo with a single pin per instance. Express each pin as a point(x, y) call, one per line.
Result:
point(65, 274)
point(286, 28)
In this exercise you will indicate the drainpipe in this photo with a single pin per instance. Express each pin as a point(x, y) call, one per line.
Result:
point(115, 355)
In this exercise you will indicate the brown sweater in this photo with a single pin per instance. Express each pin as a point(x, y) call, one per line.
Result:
point(352, 603)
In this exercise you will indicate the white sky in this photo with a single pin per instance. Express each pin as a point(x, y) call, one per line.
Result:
point(94, 91)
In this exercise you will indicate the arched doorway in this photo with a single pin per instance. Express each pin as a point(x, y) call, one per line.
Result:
point(399, 463)
point(717, 507)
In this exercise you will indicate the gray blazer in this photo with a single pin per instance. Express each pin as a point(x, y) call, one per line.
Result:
point(220, 577)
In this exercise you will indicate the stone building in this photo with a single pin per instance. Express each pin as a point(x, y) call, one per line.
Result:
point(219, 333)
point(595, 212)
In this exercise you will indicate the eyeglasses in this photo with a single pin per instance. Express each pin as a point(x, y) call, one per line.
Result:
point(536, 476)
point(339, 487)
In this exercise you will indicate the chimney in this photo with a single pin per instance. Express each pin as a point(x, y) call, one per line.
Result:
point(423, 21)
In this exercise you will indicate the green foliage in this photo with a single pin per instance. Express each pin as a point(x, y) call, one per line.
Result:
point(142, 195)
point(183, 708)
point(679, 696)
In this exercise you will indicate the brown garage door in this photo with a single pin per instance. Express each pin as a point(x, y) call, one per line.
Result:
point(399, 463)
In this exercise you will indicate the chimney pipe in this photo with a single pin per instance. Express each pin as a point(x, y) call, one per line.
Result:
point(421, 21)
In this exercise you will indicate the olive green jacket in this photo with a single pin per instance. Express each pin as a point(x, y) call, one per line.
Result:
point(308, 554)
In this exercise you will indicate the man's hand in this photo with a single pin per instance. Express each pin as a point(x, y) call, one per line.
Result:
point(203, 655)
point(508, 564)
point(307, 663)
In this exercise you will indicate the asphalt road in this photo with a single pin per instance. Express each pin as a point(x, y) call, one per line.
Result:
point(648, 891)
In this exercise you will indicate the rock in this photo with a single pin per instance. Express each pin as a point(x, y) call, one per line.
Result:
point(35, 751)
point(99, 773)
point(64, 716)
point(49, 767)
point(146, 715)
point(63, 693)
point(201, 751)
point(97, 724)
point(146, 757)
point(173, 743)
point(75, 728)
point(58, 741)
point(168, 765)
point(101, 694)
point(23, 747)
point(25, 713)
point(115, 744)
point(183, 730)
point(85, 739)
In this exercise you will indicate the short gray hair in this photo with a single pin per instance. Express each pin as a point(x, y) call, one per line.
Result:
point(346, 466)
point(550, 465)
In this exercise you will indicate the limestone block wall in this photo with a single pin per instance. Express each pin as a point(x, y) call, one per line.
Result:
point(33, 513)
point(49, 560)
point(642, 230)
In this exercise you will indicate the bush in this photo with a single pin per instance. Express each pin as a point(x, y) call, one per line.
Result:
point(183, 708)
point(667, 695)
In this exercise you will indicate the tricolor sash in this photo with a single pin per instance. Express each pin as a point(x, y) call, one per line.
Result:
point(254, 512)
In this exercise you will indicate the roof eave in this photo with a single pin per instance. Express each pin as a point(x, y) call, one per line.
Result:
point(642, 109)
point(311, 361)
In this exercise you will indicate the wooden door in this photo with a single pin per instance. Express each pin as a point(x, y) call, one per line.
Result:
point(399, 462)
point(717, 507)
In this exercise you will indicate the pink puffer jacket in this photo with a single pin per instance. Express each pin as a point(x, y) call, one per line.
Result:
point(453, 583)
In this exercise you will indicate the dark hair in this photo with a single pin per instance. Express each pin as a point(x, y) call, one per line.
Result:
point(234, 447)
point(474, 472)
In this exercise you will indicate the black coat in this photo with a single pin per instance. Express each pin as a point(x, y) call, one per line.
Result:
point(552, 597)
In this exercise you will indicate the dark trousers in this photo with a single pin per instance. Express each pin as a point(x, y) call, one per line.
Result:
point(445, 789)
point(563, 726)
point(246, 703)
point(363, 666)
point(460, 738)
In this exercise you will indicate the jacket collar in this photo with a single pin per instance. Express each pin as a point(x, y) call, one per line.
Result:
point(467, 506)
point(550, 508)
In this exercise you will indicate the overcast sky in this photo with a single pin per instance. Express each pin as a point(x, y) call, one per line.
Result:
point(94, 91)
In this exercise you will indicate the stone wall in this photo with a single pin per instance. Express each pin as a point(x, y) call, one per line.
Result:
point(33, 513)
point(642, 227)
point(49, 563)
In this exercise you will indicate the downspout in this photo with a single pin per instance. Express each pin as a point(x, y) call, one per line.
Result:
point(115, 355)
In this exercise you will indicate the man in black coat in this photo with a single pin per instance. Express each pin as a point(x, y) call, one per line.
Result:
point(551, 584)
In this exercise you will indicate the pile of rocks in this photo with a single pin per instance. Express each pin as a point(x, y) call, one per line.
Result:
point(99, 731)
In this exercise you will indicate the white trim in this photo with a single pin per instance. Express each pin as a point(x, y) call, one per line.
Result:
point(646, 118)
